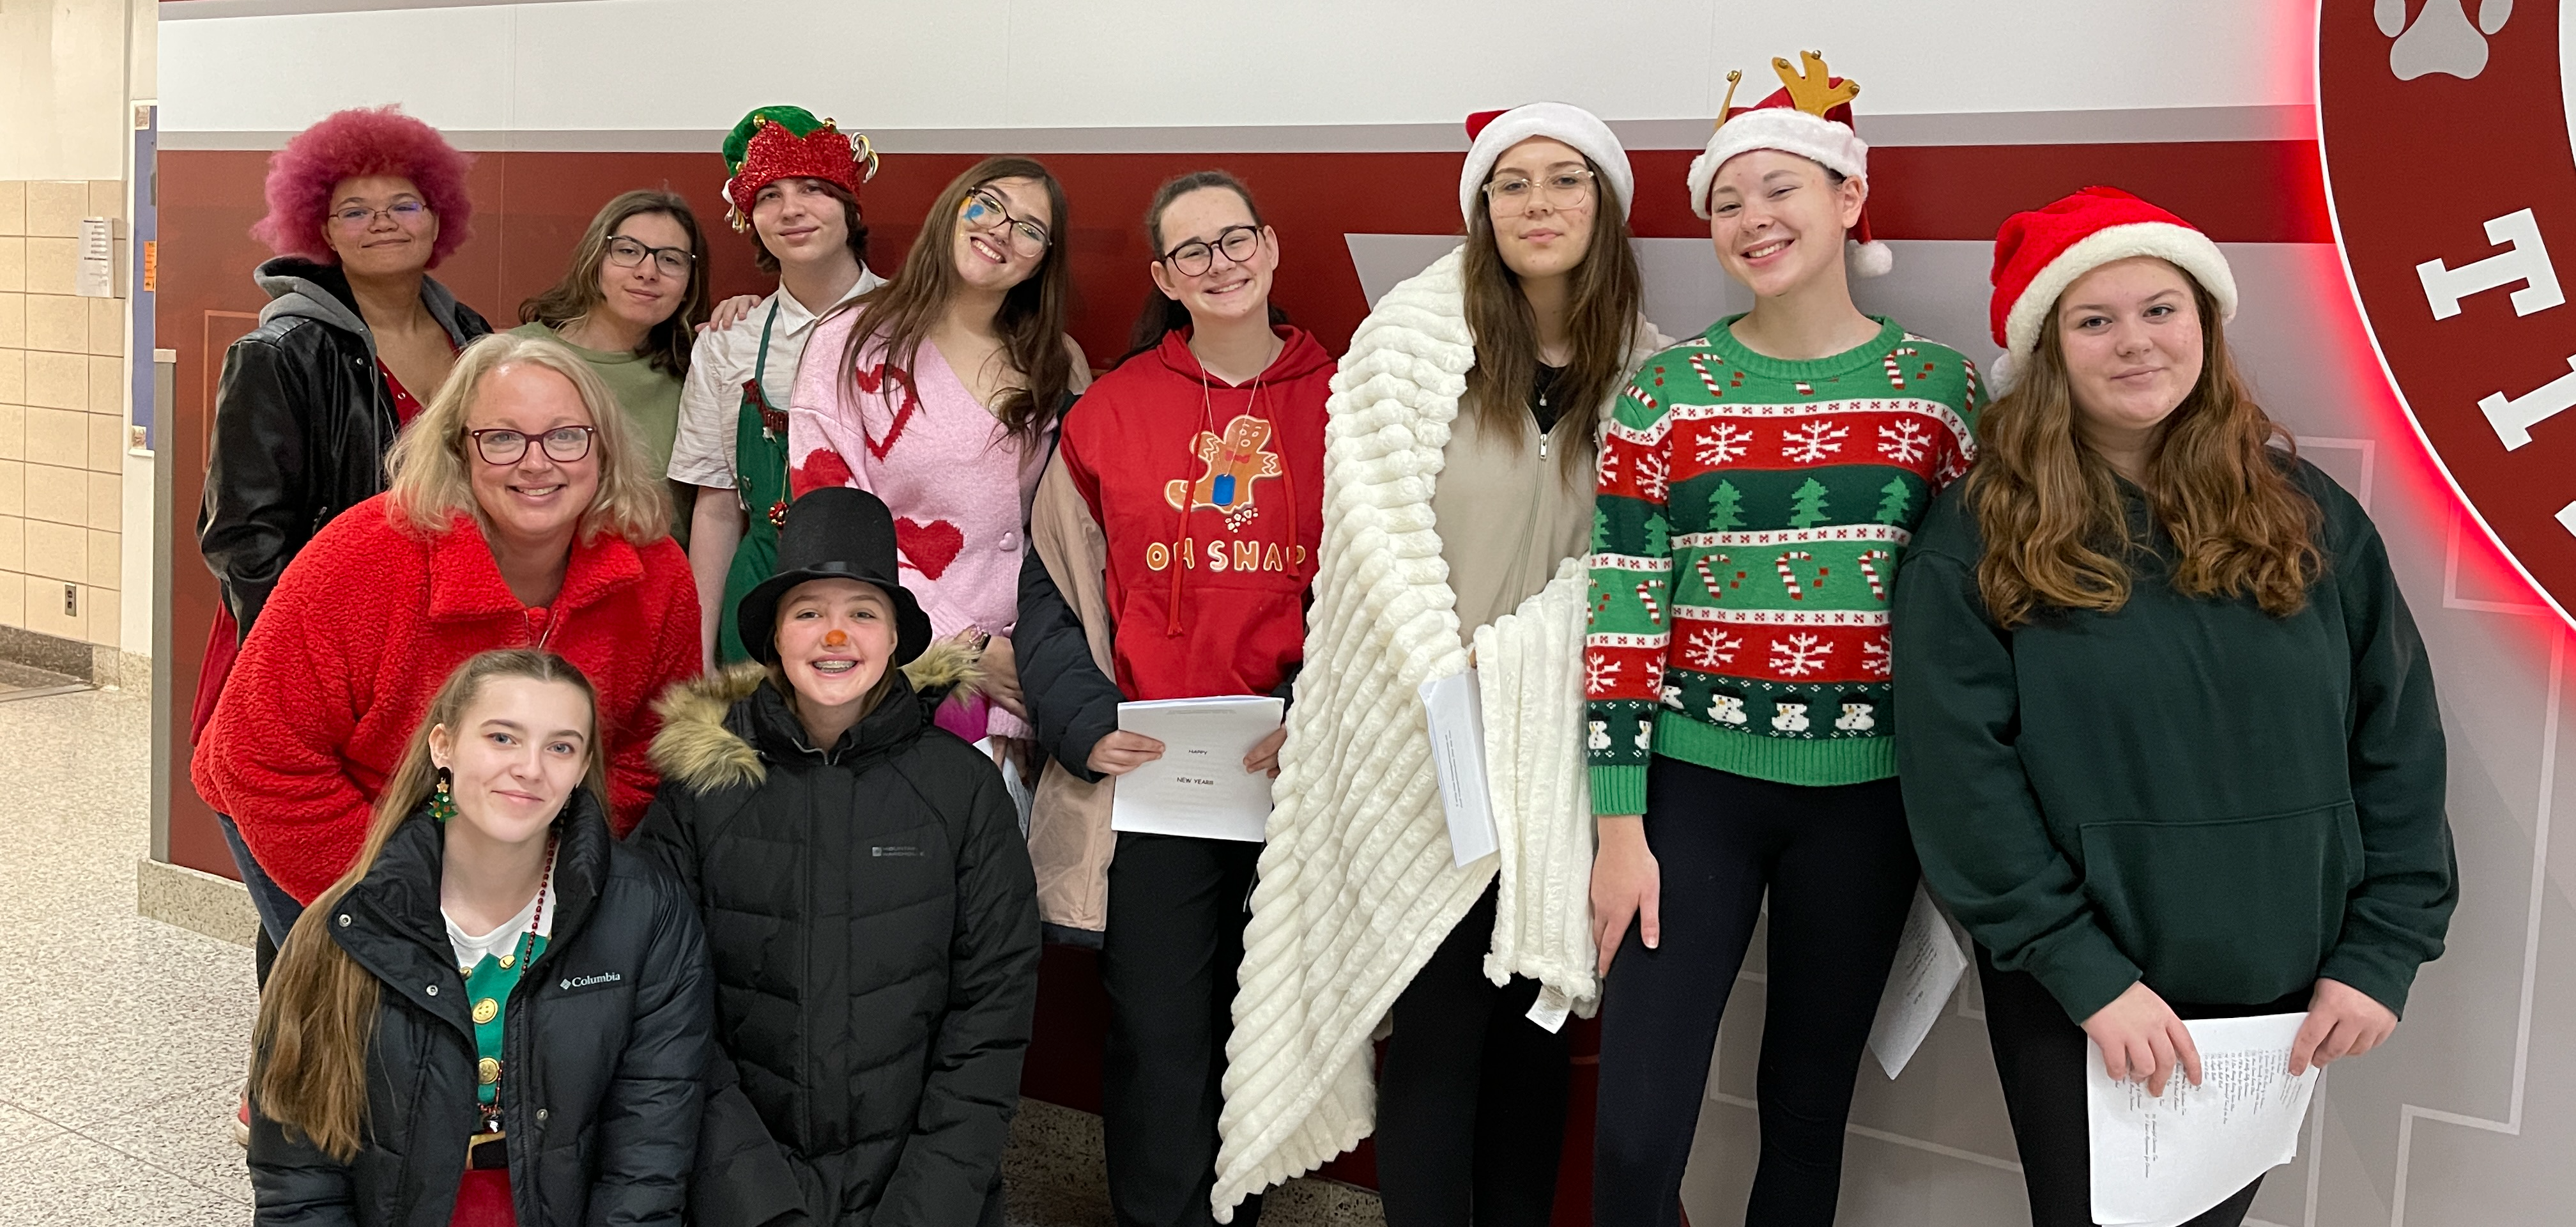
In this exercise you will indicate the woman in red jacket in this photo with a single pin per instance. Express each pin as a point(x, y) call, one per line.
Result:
point(1172, 542)
point(521, 512)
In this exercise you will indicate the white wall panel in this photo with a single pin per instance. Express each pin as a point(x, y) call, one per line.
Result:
point(698, 64)
point(450, 67)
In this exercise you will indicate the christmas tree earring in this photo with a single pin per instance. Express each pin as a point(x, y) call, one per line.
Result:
point(442, 801)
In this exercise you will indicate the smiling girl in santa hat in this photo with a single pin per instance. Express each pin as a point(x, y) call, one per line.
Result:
point(1457, 492)
point(2170, 743)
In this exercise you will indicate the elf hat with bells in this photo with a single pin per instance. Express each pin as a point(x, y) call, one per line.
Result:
point(1809, 115)
point(777, 142)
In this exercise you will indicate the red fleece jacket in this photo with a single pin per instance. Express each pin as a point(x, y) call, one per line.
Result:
point(365, 626)
point(1211, 497)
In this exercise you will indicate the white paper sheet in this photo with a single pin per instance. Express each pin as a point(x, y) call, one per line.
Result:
point(1919, 983)
point(1198, 787)
point(2159, 1162)
point(1454, 710)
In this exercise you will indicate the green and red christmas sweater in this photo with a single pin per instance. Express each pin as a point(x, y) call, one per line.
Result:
point(1752, 511)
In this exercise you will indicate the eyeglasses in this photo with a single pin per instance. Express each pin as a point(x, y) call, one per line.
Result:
point(1559, 188)
point(1198, 255)
point(563, 444)
point(627, 253)
point(360, 217)
point(983, 210)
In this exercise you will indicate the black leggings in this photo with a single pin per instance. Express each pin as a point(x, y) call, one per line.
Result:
point(1471, 1100)
point(1840, 871)
point(1168, 961)
point(2040, 1056)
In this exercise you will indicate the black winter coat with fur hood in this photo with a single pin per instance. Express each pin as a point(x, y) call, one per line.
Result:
point(872, 921)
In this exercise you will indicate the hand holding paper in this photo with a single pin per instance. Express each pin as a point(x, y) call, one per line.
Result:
point(2139, 1036)
point(1197, 786)
point(2161, 1159)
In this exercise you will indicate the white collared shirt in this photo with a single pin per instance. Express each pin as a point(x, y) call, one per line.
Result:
point(711, 398)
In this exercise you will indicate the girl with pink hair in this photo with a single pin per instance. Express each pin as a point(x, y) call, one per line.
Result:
point(355, 338)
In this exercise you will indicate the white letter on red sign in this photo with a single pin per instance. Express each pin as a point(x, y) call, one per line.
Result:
point(2513, 419)
point(2527, 261)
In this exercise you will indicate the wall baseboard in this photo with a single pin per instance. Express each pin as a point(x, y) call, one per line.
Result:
point(98, 664)
point(194, 900)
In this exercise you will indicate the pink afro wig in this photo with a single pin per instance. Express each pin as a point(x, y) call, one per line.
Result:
point(354, 143)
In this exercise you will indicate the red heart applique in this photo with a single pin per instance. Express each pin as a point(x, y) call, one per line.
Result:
point(928, 548)
point(823, 469)
point(869, 381)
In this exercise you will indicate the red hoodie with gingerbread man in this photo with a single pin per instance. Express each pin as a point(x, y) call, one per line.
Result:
point(1210, 498)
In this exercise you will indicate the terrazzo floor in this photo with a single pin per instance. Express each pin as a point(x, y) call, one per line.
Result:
point(122, 1039)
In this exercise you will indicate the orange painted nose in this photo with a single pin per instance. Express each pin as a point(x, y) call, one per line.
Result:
point(836, 638)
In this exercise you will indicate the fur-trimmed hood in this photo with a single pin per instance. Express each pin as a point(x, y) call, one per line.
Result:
point(702, 742)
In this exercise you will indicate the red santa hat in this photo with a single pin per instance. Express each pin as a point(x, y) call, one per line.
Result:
point(2041, 252)
point(1496, 131)
point(1810, 115)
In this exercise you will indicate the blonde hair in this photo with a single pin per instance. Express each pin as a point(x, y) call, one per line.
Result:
point(429, 483)
point(318, 1013)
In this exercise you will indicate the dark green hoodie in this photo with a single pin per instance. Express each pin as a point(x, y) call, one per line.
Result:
point(2190, 791)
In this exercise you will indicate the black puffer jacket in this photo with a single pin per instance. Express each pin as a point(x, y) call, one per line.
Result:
point(302, 422)
point(873, 922)
point(604, 1044)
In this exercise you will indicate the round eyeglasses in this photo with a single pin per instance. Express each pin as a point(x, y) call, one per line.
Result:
point(358, 217)
point(982, 210)
point(1562, 189)
point(563, 444)
point(1197, 256)
point(627, 253)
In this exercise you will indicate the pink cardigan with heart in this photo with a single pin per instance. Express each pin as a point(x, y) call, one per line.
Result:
point(958, 483)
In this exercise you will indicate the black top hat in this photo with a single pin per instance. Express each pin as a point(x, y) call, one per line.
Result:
point(834, 533)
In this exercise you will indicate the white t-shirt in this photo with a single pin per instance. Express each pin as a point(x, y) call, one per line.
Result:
point(504, 940)
point(711, 397)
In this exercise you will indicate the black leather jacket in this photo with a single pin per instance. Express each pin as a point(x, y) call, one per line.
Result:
point(302, 423)
point(604, 1046)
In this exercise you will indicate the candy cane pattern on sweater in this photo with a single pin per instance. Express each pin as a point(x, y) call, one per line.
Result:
point(1708, 575)
point(1646, 594)
point(1699, 362)
point(1893, 376)
point(1869, 571)
point(1791, 580)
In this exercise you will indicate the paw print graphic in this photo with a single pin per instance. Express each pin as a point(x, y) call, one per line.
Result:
point(2441, 38)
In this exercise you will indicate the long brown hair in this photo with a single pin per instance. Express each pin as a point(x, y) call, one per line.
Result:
point(1163, 313)
point(900, 314)
point(2056, 532)
point(317, 1015)
point(669, 342)
point(1601, 321)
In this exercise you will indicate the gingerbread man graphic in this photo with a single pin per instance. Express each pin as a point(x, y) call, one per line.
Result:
point(1235, 460)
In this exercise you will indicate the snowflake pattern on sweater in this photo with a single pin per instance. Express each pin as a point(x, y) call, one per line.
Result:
point(1750, 518)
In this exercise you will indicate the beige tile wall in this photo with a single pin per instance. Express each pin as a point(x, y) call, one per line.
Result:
point(62, 416)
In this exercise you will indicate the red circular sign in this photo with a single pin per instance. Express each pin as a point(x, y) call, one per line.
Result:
point(2444, 128)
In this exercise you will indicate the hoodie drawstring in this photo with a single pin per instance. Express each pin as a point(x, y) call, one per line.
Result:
point(1183, 557)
